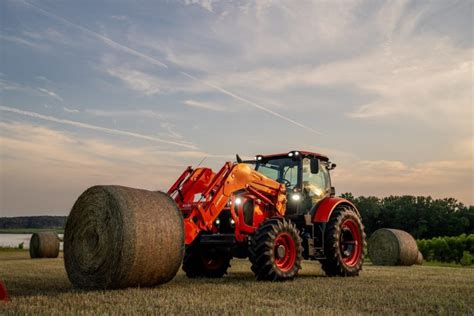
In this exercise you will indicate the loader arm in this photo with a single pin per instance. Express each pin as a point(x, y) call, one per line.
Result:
point(215, 190)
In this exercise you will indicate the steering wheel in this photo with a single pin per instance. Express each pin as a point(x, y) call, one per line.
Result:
point(286, 182)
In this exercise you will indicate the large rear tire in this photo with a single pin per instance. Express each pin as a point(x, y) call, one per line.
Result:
point(344, 243)
point(276, 251)
point(199, 262)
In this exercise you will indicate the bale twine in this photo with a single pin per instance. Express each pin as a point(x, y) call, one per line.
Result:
point(392, 247)
point(419, 258)
point(44, 245)
point(118, 237)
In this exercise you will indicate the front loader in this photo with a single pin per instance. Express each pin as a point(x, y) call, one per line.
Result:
point(275, 210)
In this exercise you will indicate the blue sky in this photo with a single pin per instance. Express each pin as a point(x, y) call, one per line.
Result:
point(122, 92)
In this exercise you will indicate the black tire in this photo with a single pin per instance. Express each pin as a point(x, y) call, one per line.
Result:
point(343, 256)
point(205, 263)
point(269, 261)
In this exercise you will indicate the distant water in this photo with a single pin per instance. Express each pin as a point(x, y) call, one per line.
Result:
point(13, 240)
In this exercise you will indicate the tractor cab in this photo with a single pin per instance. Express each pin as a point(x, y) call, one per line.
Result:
point(305, 175)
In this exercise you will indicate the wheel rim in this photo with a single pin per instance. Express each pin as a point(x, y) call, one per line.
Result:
point(285, 252)
point(350, 242)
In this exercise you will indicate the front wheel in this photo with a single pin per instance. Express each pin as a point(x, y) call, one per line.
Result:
point(201, 262)
point(276, 251)
point(345, 243)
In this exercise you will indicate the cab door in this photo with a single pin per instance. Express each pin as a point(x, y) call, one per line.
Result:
point(316, 184)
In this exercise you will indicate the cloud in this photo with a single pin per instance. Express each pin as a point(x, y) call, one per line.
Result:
point(49, 93)
point(439, 178)
point(168, 127)
point(22, 41)
point(126, 113)
point(205, 105)
point(43, 92)
point(94, 127)
point(206, 4)
point(139, 81)
point(104, 39)
point(66, 109)
point(39, 162)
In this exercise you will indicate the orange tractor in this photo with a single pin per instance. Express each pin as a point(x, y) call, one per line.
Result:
point(276, 210)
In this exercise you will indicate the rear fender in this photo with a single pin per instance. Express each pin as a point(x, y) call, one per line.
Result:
point(327, 206)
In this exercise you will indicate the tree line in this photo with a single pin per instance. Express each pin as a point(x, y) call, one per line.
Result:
point(422, 217)
point(33, 222)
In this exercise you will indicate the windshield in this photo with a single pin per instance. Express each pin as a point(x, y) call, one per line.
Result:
point(283, 170)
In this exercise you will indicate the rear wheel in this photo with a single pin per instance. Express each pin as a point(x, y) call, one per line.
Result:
point(207, 263)
point(276, 251)
point(344, 243)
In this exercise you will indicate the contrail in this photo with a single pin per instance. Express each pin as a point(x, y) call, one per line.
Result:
point(93, 127)
point(156, 62)
point(258, 106)
point(101, 37)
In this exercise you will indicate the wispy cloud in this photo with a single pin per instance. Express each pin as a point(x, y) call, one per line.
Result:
point(94, 127)
point(22, 41)
point(43, 92)
point(125, 113)
point(206, 4)
point(206, 105)
point(139, 81)
point(66, 109)
point(106, 40)
point(168, 127)
point(50, 93)
point(439, 178)
point(143, 86)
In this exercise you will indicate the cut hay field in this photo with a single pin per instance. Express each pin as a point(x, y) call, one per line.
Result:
point(41, 287)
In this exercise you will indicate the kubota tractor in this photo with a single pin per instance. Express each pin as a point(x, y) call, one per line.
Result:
point(276, 210)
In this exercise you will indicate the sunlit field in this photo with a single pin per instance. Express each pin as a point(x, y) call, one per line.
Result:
point(41, 286)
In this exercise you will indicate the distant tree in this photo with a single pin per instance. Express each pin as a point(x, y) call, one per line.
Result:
point(423, 217)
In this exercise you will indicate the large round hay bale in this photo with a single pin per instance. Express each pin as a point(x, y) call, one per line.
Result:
point(118, 237)
point(44, 245)
point(392, 247)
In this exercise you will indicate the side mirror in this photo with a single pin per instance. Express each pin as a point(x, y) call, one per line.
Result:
point(314, 165)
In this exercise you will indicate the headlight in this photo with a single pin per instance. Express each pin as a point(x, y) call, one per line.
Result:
point(218, 222)
point(296, 197)
point(238, 201)
point(232, 222)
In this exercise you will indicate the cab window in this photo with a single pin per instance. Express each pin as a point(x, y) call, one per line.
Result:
point(315, 186)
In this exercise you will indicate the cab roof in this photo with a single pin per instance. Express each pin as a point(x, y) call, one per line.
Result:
point(302, 153)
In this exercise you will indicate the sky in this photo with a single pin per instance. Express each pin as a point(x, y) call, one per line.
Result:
point(132, 92)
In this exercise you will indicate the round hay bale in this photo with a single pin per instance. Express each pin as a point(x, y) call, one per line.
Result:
point(44, 245)
point(392, 247)
point(118, 237)
point(419, 258)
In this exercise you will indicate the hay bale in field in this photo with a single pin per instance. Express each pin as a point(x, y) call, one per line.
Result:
point(419, 258)
point(118, 237)
point(44, 245)
point(392, 247)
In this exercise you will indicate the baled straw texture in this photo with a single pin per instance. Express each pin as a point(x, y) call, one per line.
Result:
point(44, 245)
point(392, 247)
point(118, 237)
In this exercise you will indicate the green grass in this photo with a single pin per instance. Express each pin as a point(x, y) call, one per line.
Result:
point(29, 230)
point(446, 264)
point(41, 287)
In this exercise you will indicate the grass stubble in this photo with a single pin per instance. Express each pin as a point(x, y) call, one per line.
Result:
point(42, 287)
